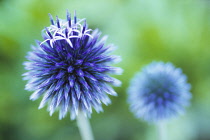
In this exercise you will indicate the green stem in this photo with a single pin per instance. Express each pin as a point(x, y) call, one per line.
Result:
point(161, 126)
point(84, 126)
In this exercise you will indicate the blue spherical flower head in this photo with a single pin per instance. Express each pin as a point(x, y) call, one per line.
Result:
point(70, 68)
point(159, 92)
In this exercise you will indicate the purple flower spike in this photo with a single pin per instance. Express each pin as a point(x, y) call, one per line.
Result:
point(70, 68)
point(160, 91)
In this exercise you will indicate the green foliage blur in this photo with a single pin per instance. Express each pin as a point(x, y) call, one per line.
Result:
point(144, 30)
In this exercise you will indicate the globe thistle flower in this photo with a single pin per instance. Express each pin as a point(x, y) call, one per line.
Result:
point(70, 68)
point(160, 91)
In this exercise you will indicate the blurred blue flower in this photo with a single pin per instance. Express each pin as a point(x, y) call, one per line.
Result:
point(160, 91)
point(69, 68)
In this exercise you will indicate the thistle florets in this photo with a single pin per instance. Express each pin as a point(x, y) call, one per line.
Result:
point(70, 68)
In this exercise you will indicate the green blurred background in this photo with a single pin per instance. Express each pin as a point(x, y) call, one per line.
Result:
point(144, 30)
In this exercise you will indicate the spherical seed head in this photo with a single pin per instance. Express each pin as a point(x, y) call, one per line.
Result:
point(70, 68)
point(158, 92)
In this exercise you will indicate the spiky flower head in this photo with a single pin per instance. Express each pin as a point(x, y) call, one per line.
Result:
point(69, 68)
point(158, 92)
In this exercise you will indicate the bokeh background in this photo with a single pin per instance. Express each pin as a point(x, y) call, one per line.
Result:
point(144, 30)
